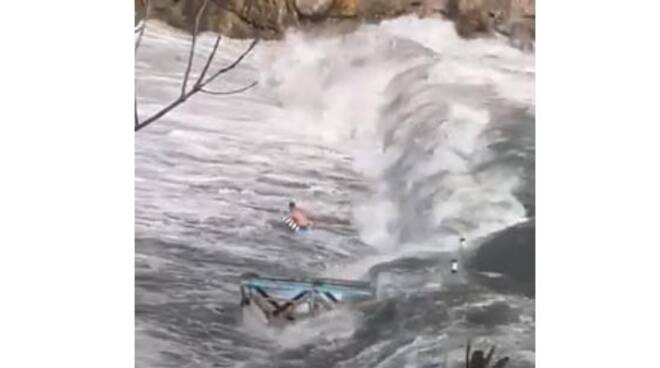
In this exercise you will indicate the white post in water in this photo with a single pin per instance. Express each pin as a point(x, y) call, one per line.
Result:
point(454, 265)
point(462, 246)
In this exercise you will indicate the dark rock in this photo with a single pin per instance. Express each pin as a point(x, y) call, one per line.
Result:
point(510, 252)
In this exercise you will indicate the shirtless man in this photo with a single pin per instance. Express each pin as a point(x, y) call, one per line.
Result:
point(299, 216)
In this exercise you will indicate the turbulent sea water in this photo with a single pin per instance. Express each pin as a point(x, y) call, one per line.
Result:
point(401, 138)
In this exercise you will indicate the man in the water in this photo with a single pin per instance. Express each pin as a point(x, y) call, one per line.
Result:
point(299, 216)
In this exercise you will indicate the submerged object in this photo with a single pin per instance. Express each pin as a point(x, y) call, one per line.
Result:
point(284, 300)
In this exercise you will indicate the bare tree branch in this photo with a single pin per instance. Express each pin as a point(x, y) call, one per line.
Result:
point(232, 65)
point(230, 92)
point(161, 113)
point(139, 30)
point(192, 46)
point(201, 81)
point(137, 121)
point(144, 24)
point(208, 61)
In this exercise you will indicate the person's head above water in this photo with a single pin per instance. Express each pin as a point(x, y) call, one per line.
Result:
point(292, 205)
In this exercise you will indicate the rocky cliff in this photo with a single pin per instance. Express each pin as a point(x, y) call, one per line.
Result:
point(270, 18)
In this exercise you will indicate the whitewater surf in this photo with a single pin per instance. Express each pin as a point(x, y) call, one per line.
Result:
point(402, 136)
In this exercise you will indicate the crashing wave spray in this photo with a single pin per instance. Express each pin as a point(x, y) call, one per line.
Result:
point(420, 109)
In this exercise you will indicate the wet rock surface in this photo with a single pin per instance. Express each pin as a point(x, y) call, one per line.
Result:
point(269, 19)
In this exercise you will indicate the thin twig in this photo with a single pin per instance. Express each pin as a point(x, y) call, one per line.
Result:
point(144, 24)
point(192, 46)
point(200, 83)
point(208, 61)
point(163, 111)
point(230, 92)
point(137, 121)
point(140, 31)
point(194, 90)
point(232, 65)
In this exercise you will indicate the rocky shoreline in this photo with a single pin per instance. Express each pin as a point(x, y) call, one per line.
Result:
point(269, 19)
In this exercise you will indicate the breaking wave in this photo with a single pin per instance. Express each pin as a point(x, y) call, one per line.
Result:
point(401, 137)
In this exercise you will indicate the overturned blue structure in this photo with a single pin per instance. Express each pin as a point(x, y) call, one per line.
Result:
point(288, 300)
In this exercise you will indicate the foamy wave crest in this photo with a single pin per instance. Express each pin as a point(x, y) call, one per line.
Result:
point(419, 108)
